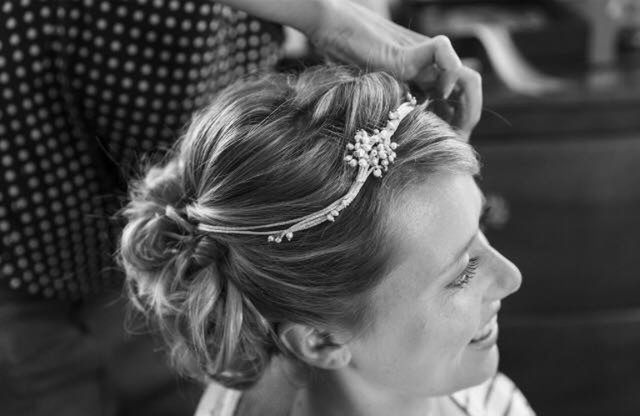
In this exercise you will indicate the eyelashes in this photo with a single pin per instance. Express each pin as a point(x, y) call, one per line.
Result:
point(468, 273)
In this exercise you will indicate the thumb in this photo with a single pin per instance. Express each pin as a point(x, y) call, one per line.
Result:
point(433, 64)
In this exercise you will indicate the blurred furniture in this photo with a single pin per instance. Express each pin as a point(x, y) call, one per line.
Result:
point(530, 44)
point(493, 26)
point(606, 19)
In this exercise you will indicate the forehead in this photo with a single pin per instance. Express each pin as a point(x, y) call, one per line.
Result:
point(432, 222)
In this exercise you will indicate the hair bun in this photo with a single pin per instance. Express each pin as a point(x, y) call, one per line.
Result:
point(176, 278)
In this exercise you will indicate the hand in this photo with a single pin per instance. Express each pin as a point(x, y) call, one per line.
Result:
point(353, 34)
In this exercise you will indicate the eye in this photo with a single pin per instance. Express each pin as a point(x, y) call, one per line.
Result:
point(468, 273)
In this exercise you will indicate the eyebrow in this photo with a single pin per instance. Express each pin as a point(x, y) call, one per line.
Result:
point(456, 258)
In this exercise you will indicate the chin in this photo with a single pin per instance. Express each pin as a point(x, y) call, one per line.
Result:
point(482, 367)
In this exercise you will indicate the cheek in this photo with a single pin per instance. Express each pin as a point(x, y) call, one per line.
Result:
point(438, 330)
point(458, 322)
point(420, 346)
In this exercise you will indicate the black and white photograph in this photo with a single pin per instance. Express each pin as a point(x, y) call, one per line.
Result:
point(319, 208)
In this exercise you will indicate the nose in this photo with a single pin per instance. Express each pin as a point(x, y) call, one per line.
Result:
point(506, 276)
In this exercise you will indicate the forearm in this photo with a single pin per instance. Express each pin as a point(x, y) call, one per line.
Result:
point(344, 29)
point(304, 15)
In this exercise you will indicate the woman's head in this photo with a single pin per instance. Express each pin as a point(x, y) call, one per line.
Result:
point(266, 151)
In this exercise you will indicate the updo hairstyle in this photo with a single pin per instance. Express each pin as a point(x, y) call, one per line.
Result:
point(264, 151)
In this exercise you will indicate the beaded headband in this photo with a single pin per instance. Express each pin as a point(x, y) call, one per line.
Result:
point(371, 154)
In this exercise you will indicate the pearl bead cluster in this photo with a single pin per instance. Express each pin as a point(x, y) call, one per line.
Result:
point(375, 151)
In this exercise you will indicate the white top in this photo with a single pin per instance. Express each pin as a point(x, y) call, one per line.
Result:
point(498, 396)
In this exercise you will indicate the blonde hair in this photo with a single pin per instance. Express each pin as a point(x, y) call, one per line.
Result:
point(264, 151)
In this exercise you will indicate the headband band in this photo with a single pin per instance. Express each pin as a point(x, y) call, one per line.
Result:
point(370, 153)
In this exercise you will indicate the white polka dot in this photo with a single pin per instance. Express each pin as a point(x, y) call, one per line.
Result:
point(31, 33)
point(138, 15)
point(154, 19)
point(193, 74)
point(121, 11)
point(17, 56)
point(167, 39)
point(162, 72)
point(165, 55)
point(134, 32)
point(28, 17)
point(254, 26)
point(132, 49)
point(201, 26)
point(129, 66)
point(151, 36)
point(254, 41)
point(10, 23)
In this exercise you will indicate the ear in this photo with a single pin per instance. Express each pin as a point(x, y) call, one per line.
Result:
point(315, 347)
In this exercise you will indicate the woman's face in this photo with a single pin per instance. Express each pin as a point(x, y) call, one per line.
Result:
point(434, 324)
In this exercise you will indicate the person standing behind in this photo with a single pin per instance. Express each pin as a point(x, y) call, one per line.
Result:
point(88, 87)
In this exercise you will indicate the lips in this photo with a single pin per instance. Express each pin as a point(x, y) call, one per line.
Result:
point(486, 331)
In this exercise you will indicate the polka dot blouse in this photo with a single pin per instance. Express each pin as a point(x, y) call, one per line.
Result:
point(86, 87)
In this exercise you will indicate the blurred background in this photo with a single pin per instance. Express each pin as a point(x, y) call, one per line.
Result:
point(560, 141)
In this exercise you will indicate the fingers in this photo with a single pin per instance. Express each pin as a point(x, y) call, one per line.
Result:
point(448, 62)
point(468, 105)
point(434, 61)
point(438, 68)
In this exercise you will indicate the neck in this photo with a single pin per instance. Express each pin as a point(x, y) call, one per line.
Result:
point(333, 393)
